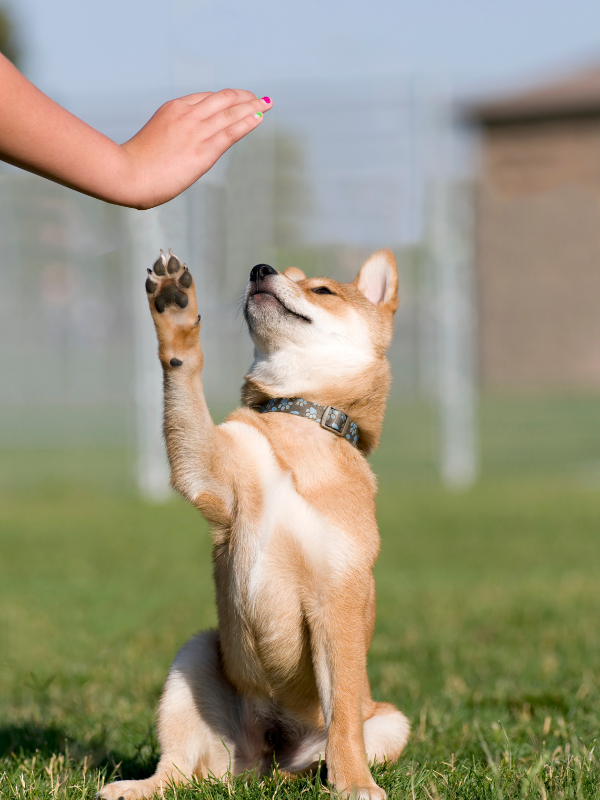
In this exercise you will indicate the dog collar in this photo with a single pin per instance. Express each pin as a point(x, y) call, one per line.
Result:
point(332, 419)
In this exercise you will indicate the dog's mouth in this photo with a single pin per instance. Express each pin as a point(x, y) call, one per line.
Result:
point(260, 296)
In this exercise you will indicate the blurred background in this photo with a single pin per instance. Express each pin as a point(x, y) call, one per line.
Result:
point(466, 137)
point(463, 134)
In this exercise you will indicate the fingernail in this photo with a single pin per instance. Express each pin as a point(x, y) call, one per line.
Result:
point(266, 100)
point(258, 114)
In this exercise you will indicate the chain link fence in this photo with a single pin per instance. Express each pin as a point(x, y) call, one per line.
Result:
point(321, 185)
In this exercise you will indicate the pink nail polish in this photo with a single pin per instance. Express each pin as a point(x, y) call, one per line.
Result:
point(266, 100)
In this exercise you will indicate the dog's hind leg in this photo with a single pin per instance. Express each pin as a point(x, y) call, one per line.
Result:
point(200, 728)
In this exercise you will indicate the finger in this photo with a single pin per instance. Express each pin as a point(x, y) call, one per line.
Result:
point(220, 142)
point(196, 97)
point(226, 98)
point(229, 116)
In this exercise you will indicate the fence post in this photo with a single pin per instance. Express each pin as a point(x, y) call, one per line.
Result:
point(152, 470)
point(451, 252)
point(458, 394)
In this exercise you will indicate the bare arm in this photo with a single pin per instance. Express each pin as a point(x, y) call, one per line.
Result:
point(177, 145)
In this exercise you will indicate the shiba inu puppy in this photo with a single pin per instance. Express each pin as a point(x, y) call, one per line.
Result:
point(290, 496)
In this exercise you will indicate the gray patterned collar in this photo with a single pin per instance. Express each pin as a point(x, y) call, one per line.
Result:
point(330, 418)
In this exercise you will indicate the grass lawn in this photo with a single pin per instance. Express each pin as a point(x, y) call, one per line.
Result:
point(487, 629)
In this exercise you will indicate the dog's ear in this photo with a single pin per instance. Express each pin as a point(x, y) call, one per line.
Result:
point(294, 274)
point(378, 280)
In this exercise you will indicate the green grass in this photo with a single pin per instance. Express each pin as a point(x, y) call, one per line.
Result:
point(487, 629)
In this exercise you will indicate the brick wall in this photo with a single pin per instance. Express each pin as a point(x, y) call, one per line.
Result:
point(538, 254)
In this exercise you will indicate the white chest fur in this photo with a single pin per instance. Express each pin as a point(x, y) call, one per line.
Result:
point(325, 550)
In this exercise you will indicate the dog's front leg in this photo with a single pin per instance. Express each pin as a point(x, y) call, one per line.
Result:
point(197, 450)
point(339, 649)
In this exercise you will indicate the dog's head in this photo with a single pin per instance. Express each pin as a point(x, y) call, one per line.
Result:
point(322, 340)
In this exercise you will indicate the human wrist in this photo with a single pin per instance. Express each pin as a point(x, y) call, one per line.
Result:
point(138, 185)
point(128, 184)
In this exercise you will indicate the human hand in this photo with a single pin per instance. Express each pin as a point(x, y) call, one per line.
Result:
point(180, 143)
point(185, 138)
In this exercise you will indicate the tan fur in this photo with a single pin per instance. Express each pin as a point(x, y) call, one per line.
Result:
point(295, 539)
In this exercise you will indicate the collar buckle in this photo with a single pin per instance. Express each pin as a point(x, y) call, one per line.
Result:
point(335, 421)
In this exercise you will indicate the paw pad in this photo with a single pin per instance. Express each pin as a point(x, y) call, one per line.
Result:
point(185, 280)
point(170, 295)
point(171, 292)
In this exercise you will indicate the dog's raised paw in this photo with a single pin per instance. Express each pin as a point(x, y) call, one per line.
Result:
point(168, 283)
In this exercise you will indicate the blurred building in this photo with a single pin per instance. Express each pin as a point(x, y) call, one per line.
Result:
point(538, 235)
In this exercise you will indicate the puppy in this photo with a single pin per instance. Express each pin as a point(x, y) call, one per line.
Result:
point(288, 491)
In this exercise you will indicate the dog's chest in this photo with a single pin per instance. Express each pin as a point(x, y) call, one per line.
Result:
point(284, 558)
point(281, 572)
point(278, 528)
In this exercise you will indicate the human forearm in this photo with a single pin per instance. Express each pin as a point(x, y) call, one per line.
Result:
point(179, 144)
point(40, 136)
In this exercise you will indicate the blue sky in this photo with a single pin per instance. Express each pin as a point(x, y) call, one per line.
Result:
point(89, 47)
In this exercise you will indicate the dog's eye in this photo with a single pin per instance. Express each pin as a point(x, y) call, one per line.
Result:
point(322, 290)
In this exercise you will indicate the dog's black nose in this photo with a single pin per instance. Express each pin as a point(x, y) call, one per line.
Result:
point(261, 271)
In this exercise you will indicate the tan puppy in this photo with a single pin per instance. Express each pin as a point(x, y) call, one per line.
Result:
point(292, 508)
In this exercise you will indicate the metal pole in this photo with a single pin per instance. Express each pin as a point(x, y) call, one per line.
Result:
point(458, 404)
point(451, 252)
point(152, 470)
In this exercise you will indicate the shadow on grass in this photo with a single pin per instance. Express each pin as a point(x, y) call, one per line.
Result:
point(33, 738)
point(45, 741)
